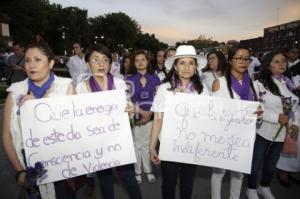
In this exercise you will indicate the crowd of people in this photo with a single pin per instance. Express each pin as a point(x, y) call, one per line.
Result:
point(237, 75)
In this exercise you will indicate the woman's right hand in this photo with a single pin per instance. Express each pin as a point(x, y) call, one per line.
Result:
point(283, 119)
point(22, 179)
point(154, 157)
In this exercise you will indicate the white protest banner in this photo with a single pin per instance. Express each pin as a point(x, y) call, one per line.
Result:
point(75, 135)
point(208, 131)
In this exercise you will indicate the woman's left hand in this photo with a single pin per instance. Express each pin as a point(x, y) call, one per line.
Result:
point(130, 108)
point(259, 112)
point(25, 98)
point(293, 131)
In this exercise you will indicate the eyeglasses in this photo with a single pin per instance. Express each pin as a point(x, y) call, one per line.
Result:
point(100, 61)
point(241, 60)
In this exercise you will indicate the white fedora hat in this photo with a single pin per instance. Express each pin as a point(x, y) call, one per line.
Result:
point(183, 51)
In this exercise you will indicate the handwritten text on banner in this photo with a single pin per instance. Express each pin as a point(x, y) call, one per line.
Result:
point(74, 135)
point(208, 131)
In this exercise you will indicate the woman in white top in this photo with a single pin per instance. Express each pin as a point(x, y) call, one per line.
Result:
point(41, 83)
point(235, 84)
point(216, 64)
point(99, 59)
point(273, 88)
point(183, 77)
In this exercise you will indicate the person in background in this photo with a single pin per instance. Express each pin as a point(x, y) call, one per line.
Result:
point(216, 64)
point(16, 65)
point(115, 65)
point(273, 89)
point(3, 66)
point(77, 66)
point(159, 67)
point(99, 59)
point(292, 56)
point(170, 52)
point(142, 85)
point(254, 65)
point(183, 77)
point(235, 84)
point(125, 67)
point(41, 83)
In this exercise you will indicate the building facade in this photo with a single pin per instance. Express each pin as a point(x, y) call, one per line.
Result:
point(283, 36)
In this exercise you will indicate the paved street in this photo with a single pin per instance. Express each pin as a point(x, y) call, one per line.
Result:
point(9, 189)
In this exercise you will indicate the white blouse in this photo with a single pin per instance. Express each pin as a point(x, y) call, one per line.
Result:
point(159, 101)
point(272, 108)
point(223, 90)
point(208, 78)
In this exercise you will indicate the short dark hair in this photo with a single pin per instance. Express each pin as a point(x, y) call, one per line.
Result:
point(97, 48)
point(43, 47)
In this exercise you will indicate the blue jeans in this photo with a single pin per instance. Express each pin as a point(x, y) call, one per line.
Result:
point(269, 159)
point(127, 176)
point(170, 171)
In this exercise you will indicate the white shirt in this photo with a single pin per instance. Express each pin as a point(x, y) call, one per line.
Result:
point(223, 90)
point(296, 80)
point(290, 64)
point(159, 101)
point(115, 69)
point(254, 63)
point(202, 63)
point(207, 78)
point(272, 108)
point(78, 69)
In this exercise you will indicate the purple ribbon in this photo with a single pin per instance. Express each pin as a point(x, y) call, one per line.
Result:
point(243, 90)
point(95, 86)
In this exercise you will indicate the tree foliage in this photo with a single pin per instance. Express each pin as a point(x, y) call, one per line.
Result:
point(62, 26)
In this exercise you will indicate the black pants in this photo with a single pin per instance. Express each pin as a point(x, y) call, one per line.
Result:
point(127, 176)
point(170, 171)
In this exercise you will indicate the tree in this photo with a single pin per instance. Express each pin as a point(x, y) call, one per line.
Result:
point(117, 29)
point(149, 42)
point(28, 17)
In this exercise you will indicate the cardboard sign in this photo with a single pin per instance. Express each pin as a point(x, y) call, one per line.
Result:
point(208, 131)
point(75, 135)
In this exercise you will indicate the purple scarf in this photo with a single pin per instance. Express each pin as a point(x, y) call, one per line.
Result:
point(244, 91)
point(290, 85)
point(39, 92)
point(95, 86)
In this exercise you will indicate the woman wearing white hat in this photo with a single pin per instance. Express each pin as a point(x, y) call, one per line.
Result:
point(183, 77)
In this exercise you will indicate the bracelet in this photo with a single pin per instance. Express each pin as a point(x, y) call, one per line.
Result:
point(19, 173)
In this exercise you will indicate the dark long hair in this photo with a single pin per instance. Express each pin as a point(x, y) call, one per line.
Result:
point(172, 75)
point(133, 69)
point(227, 72)
point(222, 62)
point(265, 75)
point(122, 67)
